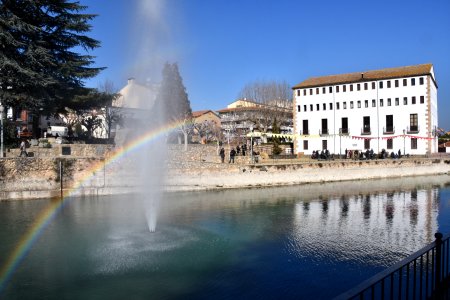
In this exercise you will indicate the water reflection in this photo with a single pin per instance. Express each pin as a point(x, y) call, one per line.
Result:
point(377, 223)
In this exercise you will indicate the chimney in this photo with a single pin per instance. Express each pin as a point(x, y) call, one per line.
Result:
point(130, 80)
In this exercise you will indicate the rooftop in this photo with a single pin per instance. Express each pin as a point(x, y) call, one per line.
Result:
point(388, 73)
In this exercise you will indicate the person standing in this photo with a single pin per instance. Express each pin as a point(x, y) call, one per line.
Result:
point(23, 149)
point(232, 155)
point(222, 154)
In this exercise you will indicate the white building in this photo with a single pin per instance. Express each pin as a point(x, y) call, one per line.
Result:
point(392, 109)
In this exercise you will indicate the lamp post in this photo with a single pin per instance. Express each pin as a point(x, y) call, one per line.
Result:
point(404, 136)
point(340, 145)
point(251, 144)
point(2, 109)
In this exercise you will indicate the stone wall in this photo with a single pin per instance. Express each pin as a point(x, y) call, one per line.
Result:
point(198, 168)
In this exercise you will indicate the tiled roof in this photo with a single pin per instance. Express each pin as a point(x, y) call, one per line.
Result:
point(366, 76)
point(198, 113)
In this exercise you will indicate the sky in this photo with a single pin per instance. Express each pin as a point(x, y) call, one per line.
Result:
point(222, 45)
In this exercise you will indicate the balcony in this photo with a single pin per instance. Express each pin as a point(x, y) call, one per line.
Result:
point(366, 130)
point(304, 132)
point(389, 130)
point(344, 131)
point(412, 129)
point(323, 131)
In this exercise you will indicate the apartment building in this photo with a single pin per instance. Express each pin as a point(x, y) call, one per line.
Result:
point(392, 109)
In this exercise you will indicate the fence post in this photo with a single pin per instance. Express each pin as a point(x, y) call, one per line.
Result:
point(438, 263)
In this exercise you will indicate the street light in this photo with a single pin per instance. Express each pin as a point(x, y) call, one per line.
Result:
point(2, 109)
point(251, 143)
point(404, 131)
point(340, 145)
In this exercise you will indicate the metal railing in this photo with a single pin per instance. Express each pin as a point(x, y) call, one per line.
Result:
point(412, 129)
point(304, 132)
point(389, 130)
point(423, 275)
point(323, 131)
point(366, 130)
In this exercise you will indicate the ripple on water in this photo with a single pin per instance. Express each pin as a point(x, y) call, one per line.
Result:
point(124, 250)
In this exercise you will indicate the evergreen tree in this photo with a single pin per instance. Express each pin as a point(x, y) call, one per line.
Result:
point(172, 97)
point(38, 63)
point(173, 102)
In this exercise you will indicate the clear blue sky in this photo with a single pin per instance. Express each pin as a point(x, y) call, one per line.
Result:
point(221, 45)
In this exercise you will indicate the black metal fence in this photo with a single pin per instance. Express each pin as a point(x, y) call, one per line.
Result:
point(422, 275)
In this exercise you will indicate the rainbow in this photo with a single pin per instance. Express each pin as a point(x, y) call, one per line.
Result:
point(49, 213)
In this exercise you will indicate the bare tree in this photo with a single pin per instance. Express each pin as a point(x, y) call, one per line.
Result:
point(110, 114)
point(208, 130)
point(273, 101)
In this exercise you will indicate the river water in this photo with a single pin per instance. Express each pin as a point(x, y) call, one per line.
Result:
point(303, 242)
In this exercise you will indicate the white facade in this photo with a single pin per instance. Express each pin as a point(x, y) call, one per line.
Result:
point(393, 113)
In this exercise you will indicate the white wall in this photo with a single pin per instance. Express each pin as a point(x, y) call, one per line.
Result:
point(401, 115)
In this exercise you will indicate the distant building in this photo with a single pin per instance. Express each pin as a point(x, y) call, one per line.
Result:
point(392, 109)
point(135, 95)
point(207, 117)
point(242, 115)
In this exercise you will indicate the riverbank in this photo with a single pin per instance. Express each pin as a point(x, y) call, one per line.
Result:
point(32, 178)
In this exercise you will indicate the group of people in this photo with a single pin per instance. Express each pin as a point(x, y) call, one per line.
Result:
point(240, 150)
point(324, 154)
point(357, 154)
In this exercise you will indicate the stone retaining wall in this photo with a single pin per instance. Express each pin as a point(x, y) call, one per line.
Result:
point(199, 168)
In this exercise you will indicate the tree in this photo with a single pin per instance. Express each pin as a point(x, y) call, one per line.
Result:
point(40, 68)
point(276, 150)
point(172, 100)
point(274, 101)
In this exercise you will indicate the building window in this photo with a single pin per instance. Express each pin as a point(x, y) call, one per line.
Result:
point(305, 145)
point(413, 122)
point(359, 104)
point(324, 106)
point(305, 127)
point(324, 90)
point(358, 87)
point(413, 81)
point(422, 99)
point(374, 103)
point(331, 106)
point(389, 102)
point(421, 80)
point(396, 83)
point(413, 143)
point(381, 84)
point(304, 92)
point(388, 84)
point(397, 101)
point(298, 93)
point(351, 104)
point(405, 82)
point(298, 108)
point(351, 87)
point(304, 107)
point(311, 107)
point(373, 85)
point(317, 91)
point(413, 100)
point(365, 85)
point(381, 102)
point(317, 106)
point(405, 100)
point(366, 103)
point(324, 145)
point(337, 89)
point(367, 144)
point(344, 88)
point(389, 144)
point(344, 105)
point(330, 89)
point(337, 105)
